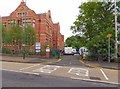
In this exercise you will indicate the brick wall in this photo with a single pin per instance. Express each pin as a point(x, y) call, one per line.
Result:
point(47, 31)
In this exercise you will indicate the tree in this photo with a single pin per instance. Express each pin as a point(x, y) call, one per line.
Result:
point(74, 41)
point(0, 36)
point(15, 34)
point(94, 22)
point(3, 31)
point(30, 35)
point(118, 11)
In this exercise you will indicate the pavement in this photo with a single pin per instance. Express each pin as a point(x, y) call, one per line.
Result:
point(95, 64)
point(27, 59)
point(102, 64)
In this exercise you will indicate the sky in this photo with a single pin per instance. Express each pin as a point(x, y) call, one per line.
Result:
point(63, 11)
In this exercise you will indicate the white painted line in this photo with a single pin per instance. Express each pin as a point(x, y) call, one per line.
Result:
point(52, 66)
point(21, 72)
point(87, 73)
point(48, 72)
point(29, 67)
point(47, 69)
point(70, 70)
point(79, 71)
point(77, 74)
point(104, 74)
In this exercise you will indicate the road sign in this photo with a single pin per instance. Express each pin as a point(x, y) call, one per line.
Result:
point(109, 35)
point(37, 47)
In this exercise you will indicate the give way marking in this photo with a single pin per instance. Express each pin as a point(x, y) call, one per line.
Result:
point(79, 71)
point(47, 69)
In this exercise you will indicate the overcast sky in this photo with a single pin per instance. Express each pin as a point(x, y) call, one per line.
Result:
point(63, 11)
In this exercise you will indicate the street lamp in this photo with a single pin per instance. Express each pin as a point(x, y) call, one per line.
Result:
point(115, 31)
point(24, 29)
point(109, 36)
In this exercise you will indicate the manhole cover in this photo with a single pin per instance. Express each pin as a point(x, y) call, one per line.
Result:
point(95, 78)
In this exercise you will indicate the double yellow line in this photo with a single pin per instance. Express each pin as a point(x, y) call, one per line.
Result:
point(51, 61)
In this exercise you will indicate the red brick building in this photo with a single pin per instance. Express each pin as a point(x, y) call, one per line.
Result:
point(47, 31)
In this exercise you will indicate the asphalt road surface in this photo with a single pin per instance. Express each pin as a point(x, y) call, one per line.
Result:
point(14, 79)
point(70, 60)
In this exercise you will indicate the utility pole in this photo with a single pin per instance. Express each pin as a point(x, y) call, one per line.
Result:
point(24, 49)
point(116, 50)
point(109, 36)
point(0, 34)
point(109, 49)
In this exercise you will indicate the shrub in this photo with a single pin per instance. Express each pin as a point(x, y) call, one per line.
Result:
point(31, 53)
point(6, 51)
point(52, 53)
point(43, 53)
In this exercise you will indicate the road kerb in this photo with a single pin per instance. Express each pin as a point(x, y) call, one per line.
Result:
point(90, 65)
point(33, 62)
point(91, 80)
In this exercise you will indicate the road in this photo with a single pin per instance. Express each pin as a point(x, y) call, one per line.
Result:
point(68, 72)
point(14, 79)
point(70, 60)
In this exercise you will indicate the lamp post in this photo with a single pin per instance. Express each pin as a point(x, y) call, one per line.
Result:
point(24, 30)
point(109, 36)
point(39, 30)
point(115, 31)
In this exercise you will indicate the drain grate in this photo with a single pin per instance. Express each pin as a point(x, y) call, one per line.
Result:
point(95, 78)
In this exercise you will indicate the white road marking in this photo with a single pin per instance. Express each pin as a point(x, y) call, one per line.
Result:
point(30, 67)
point(77, 74)
point(95, 80)
point(47, 69)
point(70, 70)
point(79, 71)
point(70, 77)
point(104, 74)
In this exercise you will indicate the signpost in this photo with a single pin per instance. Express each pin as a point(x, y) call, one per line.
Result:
point(37, 47)
point(48, 52)
point(109, 36)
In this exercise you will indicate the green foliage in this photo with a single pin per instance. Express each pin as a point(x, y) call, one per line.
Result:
point(6, 51)
point(31, 53)
point(44, 46)
point(118, 10)
point(43, 53)
point(74, 41)
point(15, 35)
point(30, 35)
point(94, 22)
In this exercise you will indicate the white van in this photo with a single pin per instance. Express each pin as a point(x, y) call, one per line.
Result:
point(83, 50)
point(68, 50)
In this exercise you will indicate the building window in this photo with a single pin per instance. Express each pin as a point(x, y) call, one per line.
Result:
point(19, 14)
point(14, 21)
point(8, 21)
point(25, 14)
point(33, 24)
point(33, 20)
